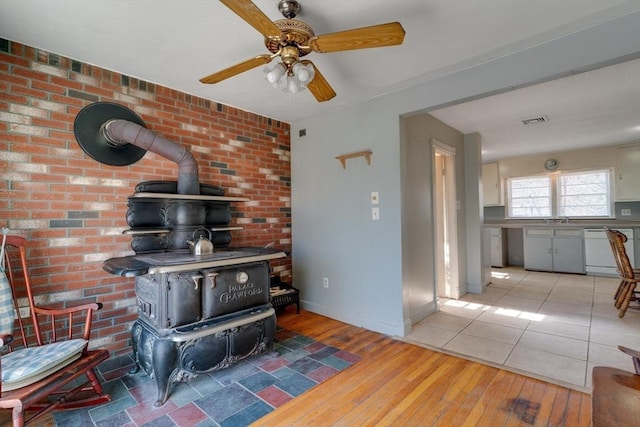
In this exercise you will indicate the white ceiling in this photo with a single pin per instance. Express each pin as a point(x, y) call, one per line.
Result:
point(175, 42)
point(596, 108)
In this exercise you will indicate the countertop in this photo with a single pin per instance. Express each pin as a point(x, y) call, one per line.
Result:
point(579, 223)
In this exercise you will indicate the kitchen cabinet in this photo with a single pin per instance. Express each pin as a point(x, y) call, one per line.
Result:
point(628, 173)
point(559, 250)
point(492, 188)
point(495, 241)
point(537, 244)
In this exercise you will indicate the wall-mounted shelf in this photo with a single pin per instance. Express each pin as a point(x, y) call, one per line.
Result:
point(343, 157)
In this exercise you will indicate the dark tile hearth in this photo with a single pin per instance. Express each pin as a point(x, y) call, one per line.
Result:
point(236, 396)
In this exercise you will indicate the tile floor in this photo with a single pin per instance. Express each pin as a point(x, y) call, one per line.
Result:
point(555, 327)
point(232, 397)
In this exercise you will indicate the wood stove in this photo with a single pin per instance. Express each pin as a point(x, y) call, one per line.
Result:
point(196, 313)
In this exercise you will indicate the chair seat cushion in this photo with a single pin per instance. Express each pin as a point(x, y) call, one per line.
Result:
point(28, 365)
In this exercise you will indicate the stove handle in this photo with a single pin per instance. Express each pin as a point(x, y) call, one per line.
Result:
point(196, 279)
point(212, 277)
point(199, 332)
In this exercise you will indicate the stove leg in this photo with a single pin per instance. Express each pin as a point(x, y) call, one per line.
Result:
point(164, 361)
point(136, 333)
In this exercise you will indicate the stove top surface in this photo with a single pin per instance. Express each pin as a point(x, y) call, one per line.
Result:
point(178, 261)
point(172, 258)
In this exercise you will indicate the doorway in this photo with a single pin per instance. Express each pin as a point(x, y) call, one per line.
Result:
point(445, 221)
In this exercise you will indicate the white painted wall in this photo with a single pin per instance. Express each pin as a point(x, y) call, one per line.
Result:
point(474, 214)
point(418, 239)
point(333, 235)
point(600, 157)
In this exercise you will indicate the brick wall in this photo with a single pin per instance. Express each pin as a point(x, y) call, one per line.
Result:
point(72, 209)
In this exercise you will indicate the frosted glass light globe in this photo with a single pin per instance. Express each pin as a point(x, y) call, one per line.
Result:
point(293, 86)
point(274, 75)
point(304, 73)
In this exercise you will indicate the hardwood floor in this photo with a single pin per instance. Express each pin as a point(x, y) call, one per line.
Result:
point(401, 384)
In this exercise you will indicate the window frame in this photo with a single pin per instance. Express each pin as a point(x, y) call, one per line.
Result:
point(555, 194)
point(609, 193)
point(509, 196)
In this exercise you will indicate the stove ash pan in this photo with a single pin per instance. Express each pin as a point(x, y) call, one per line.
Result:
point(169, 300)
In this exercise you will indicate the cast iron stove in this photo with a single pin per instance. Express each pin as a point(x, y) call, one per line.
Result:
point(196, 313)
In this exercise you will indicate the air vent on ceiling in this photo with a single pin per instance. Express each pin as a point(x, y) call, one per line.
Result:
point(535, 120)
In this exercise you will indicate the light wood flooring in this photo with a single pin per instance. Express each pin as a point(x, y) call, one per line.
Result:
point(400, 384)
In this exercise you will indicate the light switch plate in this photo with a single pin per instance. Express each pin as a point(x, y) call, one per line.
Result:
point(625, 212)
point(375, 214)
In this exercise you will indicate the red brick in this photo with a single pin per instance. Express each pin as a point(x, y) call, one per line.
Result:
point(59, 269)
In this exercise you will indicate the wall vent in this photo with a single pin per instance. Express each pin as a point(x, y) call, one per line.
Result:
point(535, 120)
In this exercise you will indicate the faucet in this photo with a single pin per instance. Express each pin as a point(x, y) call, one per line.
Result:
point(566, 220)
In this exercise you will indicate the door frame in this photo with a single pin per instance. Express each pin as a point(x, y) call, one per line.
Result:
point(445, 221)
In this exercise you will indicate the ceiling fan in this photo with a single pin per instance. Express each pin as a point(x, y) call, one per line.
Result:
point(289, 40)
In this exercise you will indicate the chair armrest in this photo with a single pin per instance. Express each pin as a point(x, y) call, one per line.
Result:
point(5, 339)
point(631, 352)
point(68, 310)
point(55, 313)
point(635, 355)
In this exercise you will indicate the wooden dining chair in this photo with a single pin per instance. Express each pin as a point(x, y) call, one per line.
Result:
point(615, 398)
point(629, 277)
point(44, 351)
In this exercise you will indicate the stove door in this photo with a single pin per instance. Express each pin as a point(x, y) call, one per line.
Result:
point(234, 288)
point(183, 298)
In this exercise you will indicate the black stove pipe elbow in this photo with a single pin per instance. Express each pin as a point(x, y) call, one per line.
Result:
point(119, 132)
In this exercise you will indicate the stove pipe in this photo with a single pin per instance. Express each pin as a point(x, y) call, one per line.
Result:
point(120, 132)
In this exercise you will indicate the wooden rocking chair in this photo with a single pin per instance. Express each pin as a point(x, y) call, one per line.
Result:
point(38, 374)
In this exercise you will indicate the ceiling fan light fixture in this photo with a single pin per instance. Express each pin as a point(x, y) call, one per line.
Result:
point(289, 39)
point(293, 79)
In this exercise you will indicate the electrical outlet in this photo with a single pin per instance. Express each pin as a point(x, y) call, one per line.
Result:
point(625, 212)
point(375, 198)
point(375, 214)
point(325, 282)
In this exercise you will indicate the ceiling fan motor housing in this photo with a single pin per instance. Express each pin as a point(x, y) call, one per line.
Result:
point(289, 55)
point(294, 33)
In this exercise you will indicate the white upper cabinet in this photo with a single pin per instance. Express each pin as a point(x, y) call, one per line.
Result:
point(491, 185)
point(628, 173)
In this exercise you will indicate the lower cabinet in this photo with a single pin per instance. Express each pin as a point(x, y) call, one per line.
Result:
point(538, 252)
point(495, 246)
point(559, 250)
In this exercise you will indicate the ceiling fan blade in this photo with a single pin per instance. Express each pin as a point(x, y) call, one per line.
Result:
point(248, 11)
point(237, 69)
point(389, 34)
point(319, 87)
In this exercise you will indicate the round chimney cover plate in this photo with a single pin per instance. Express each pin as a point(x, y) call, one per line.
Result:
point(88, 132)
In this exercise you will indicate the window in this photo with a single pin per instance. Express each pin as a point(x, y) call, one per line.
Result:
point(584, 194)
point(530, 197)
point(567, 194)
